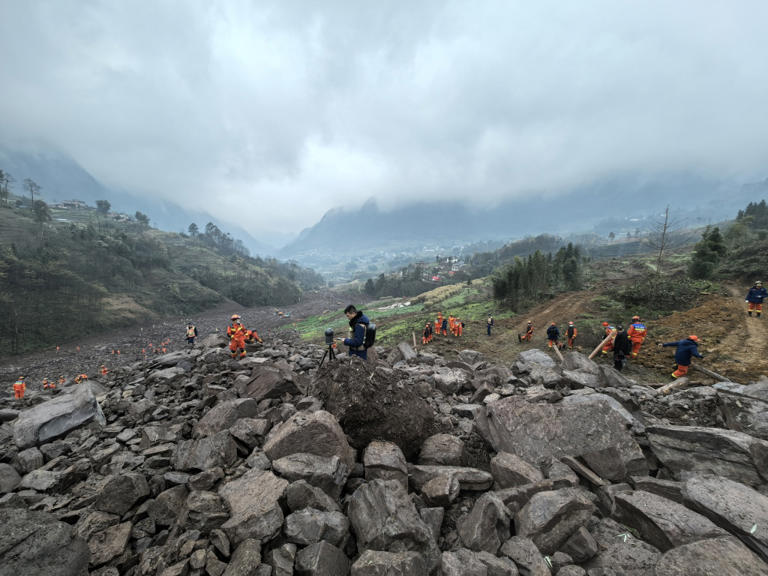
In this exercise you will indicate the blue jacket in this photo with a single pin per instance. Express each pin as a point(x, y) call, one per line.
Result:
point(359, 325)
point(756, 295)
point(685, 349)
point(553, 333)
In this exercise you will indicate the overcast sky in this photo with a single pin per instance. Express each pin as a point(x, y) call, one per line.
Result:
point(270, 113)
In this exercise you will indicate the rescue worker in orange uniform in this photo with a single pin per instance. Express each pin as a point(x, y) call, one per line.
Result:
point(438, 322)
point(19, 387)
point(45, 384)
point(252, 336)
point(528, 336)
point(458, 327)
point(426, 335)
point(608, 346)
point(104, 370)
point(685, 349)
point(451, 323)
point(62, 380)
point(570, 333)
point(637, 333)
point(236, 332)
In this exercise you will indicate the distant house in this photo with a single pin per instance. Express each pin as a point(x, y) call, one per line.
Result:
point(435, 278)
point(71, 204)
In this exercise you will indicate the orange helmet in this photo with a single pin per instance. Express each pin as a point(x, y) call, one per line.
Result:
point(605, 323)
point(570, 323)
point(235, 317)
point(635, 317)
point(553, 324)
point(693, 337)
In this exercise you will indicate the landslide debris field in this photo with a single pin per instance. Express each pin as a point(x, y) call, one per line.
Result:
point(471, 456)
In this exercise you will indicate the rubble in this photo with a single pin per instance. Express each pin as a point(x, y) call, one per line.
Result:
point(196, 464)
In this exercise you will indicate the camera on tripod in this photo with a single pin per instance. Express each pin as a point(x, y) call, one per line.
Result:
point(329, 353)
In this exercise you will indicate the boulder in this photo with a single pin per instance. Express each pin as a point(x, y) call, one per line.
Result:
point(321, 559)
point(526, 556)
point(719, 557)
point(733, 506)
point(218, 450)
point(373, 403)
point(309, 432)
point(384, 518)
point(121, 492)
point(225, 414)
point(53, 418)
point(246, 558)
point(9, 478)
point(469, 478)
point(451, 380)
point(486, 527)
point(745, 414)
point(385, 461)
point(510, 470)
point(441, 490)
point(35, 543)
point(250, 431)
point(378, 563)
point(536, 432)
point(442, 450)
point(549, 519)
point(254, 503)
point(308, 526)
point(327, 473)
point(270, 382)
point(109, 544)
point(462, 562)
point(204, 511)
point(661, 522)
point(301, 494)
point(688, 450)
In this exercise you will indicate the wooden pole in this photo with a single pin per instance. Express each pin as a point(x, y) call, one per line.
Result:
point(710, 373)
point(603, 343)
point(679, 383)
point(558, 353)
point(414, 339)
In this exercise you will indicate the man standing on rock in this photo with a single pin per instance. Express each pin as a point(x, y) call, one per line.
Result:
point(236, 332)
point(358, 324)
point(755, 298)
point(685, 350)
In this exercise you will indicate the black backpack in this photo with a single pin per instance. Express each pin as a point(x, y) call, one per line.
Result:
point(370, 335)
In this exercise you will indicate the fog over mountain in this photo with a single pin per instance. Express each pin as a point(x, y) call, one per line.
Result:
point(267, 115)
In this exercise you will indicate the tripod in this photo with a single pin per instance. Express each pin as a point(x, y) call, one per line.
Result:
point(329, 353)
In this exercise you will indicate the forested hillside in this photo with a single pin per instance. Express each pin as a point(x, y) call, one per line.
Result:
point(70, 270)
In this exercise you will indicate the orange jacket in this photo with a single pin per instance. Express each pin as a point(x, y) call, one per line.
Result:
point(236, 333)
point(637, 332)
point(19, 386)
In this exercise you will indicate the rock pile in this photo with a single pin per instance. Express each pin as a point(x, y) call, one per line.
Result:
point(194, 464)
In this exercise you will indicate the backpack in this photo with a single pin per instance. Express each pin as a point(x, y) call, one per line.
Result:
point(370, 335)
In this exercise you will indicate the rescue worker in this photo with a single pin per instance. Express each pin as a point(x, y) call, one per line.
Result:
point(252, 336)
point(191, 334)
point(489, 324)
point(459, 327)
point(570, 333)
point(528, 331)
point(622, 347)
point(236, 332)
point(358, 324)
point(62, 380)
point(685, 350)
point(426, 335)
point(451, 323)
point(637, 333)
point(755, 298)
point(553, 335)
point(45, 384)
point(104, 370)
point(439, 323)
point(19, 387)
point(444, 327)
point(608, 346)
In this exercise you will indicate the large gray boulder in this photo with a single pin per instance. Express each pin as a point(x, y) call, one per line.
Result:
point(550, 518)
point(442, 450)
point(745, 413)
point(385, 461)
point(119, 493)
point(9, 478)
point(719, 557)
point(536, 432)
point(36, 544)
point(378, 563)
point(384, 518)
point(691, 450)
point(225, 414)
point(309, 526)
point(72, 408)
point(663, 523)
point(254, 501)
point(321, 559)
point(206, 453)
point(486, 527)
point(270, 382)
point(472, 479)
point(736, 507)
point(309, 432)
point(327, 473)
point(510, 470)
point(527, 557)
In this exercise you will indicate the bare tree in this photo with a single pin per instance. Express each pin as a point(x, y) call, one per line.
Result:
point(663, 237)
point(42, 215)
point(31, 186)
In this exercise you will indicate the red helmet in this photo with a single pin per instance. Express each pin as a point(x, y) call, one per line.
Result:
point(570, 323)
point(605, 323)
point(693, 337)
